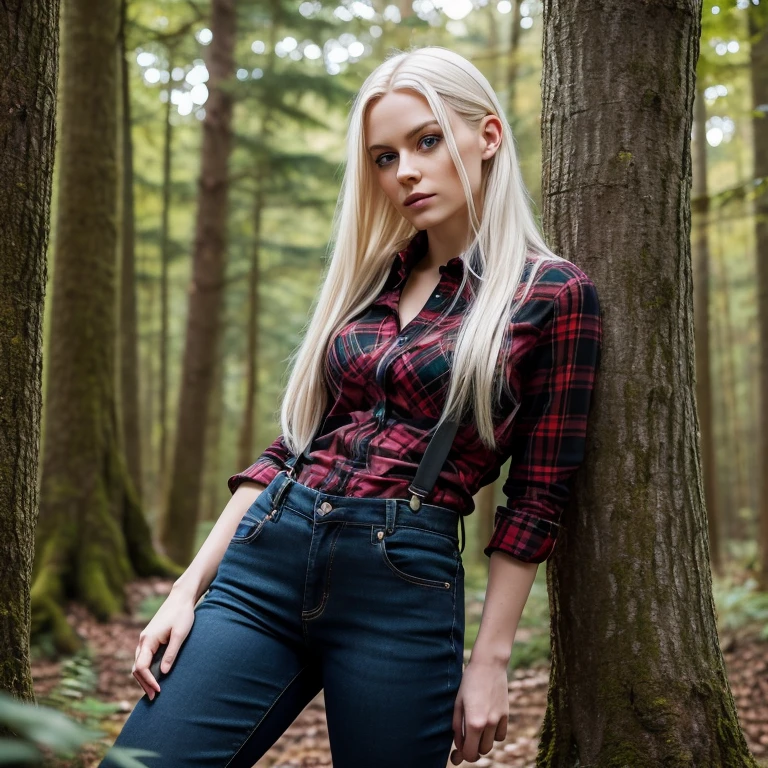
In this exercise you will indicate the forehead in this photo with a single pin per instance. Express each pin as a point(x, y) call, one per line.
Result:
point(397, 111)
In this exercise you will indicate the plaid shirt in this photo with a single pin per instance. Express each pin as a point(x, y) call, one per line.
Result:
point(388, 387)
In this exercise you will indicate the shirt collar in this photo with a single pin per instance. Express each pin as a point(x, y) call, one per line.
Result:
point(416, 249)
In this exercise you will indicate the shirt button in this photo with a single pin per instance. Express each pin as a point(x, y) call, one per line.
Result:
point(325, 508)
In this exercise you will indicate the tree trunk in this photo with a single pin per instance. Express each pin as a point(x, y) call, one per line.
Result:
point(702, 324)
point(759, 71)
point(206, 294)
point(245, 453)
point(129, 348)
point(165, 258)
point(29, 55)
point(638, 677)
point(91, 536)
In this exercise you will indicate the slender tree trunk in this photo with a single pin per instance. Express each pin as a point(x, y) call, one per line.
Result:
point(757, 20)
point(245, 453)
point(91, 537)
point(738, 496)
point(29, 55)
point(206, 294)
point(128, 358)
point(638, 677)
point(165, 257)
point(703, 323)
point(514, 53)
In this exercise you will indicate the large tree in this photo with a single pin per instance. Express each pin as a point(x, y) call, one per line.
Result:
point(29, 53)
point(638, 677)
point(91, 536)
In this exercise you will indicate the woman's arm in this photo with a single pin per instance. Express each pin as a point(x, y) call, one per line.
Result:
point(201, 571)
point(509, 584)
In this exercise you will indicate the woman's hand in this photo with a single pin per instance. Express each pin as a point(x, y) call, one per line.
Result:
point(482, 703)
point(171, 625)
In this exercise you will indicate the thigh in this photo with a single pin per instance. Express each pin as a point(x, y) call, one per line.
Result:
point(242, 674)
point(392, 674)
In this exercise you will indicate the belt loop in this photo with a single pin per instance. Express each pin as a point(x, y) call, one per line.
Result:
point(463, 533)
point(391, 512)
point(278, 498)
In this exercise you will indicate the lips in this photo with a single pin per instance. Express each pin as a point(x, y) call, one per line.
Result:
point(415, 198)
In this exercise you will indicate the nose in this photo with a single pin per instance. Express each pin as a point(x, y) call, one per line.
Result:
point(406, 170)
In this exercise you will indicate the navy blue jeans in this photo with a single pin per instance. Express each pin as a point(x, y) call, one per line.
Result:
point(362, 598)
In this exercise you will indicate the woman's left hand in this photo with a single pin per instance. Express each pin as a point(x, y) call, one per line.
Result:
point(482, 703)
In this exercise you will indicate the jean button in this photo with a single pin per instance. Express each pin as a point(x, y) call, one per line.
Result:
point(325, 508)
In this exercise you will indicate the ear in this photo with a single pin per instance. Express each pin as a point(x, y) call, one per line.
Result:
point(490, 136)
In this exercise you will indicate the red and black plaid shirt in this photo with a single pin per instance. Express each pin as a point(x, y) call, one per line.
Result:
point(388, 388)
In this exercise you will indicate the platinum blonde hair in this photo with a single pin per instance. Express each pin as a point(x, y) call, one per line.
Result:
point(367, 232)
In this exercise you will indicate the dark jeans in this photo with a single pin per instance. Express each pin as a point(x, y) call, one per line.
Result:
point(362, 598)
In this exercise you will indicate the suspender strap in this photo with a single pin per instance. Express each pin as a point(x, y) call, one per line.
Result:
point(432, 462)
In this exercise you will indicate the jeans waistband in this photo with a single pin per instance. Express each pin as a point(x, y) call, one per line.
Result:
point(284, 490)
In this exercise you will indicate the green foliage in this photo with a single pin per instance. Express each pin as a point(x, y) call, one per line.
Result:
point(38, 726)
point(741, 606)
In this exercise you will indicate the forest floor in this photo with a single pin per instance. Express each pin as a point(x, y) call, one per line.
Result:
point(100, 691)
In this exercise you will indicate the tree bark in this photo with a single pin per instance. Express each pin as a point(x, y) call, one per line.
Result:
point(206, 292)
point(91, 536)
point(638, 677)
point(29, 54)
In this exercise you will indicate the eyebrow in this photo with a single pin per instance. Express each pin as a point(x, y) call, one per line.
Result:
point(408, 135)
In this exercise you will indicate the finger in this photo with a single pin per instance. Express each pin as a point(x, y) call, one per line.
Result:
point(142, 666)
point(457, 758)
point(141, 683)
point(486, 740)
point(456, 724)
point(501, 728)
point(169, 656)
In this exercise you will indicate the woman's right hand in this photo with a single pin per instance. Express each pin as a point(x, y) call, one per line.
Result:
point(170, 625)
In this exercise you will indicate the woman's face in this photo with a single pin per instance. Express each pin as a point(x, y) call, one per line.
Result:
point(409, 155)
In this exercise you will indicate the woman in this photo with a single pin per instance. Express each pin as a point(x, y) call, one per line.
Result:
point(336, 564)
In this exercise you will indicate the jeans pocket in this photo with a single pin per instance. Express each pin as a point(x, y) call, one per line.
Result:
point(252, 522)
point(419, 557)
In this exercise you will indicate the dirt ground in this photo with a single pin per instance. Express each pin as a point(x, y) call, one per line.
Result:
point(305, 743)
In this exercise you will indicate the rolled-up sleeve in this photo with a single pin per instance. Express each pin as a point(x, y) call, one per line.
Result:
point(265, 468)
point(548, 432)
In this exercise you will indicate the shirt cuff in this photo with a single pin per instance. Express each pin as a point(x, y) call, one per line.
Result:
point(524, 536)
point(263, 471)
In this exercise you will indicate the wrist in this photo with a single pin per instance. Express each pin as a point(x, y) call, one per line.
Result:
point(185, 589)
point(490, 657)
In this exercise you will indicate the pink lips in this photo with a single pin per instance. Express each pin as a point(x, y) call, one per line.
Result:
point(420, 202)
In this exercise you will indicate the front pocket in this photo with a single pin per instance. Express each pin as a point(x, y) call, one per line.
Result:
point(420, 557)
point(252, 522)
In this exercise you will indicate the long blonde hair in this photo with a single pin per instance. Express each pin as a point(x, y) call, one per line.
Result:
point(367, 231)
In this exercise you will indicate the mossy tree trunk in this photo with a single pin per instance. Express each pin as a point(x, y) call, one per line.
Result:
point(91, 536)
point(29, 55)
point(206, 294)
point(638, 677)
point(758, 32)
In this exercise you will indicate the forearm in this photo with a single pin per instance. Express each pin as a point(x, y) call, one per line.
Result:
point(201, 571)
point(509, 584)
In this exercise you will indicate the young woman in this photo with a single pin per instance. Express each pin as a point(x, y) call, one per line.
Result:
point(336, 564)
